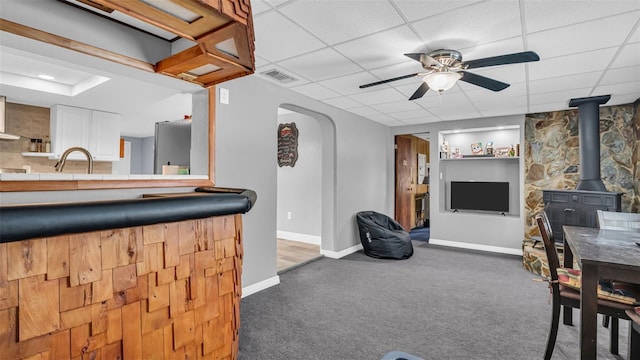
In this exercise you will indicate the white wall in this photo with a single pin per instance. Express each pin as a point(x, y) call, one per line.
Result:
point(246, 146)
point(299, 187)
point(480, 231)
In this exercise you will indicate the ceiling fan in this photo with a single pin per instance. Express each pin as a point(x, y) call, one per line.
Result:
point(445, 67)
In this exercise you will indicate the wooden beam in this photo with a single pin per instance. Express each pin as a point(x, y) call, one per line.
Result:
point(39, 35)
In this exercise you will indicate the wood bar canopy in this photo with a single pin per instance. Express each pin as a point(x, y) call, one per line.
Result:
point(223, 30)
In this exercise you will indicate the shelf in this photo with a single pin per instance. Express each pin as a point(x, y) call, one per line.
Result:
point(483, 158)
point(38, 154)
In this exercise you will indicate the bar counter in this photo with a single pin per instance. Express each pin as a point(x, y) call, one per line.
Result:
point(155, 277)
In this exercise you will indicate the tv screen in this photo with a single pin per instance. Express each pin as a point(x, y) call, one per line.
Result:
point(480, 195)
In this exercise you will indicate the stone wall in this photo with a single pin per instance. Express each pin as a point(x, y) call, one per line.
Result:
point(552, 157)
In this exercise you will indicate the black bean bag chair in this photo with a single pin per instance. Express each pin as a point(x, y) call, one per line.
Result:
point(382, 237)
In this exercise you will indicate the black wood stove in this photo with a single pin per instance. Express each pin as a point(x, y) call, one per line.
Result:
point(578, 207)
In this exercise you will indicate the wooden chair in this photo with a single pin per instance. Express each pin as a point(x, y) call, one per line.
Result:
point(634, 333)
point(565, 296)
point(613, 220)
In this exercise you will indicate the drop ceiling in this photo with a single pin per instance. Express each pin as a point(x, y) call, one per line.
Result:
point(331, 47)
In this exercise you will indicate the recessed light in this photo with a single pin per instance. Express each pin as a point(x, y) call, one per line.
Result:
point(46, 77)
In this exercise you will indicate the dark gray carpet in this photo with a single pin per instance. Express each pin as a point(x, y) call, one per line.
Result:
point(442, 303)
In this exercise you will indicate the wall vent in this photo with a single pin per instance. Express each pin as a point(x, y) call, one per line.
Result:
point(279, 76)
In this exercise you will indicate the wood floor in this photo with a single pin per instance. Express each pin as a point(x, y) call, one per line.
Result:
point(294, 253)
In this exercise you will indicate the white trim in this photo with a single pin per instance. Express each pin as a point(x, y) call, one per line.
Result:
point(342, 253)
point(260, 285)
point(488, 248)
point(309, 239)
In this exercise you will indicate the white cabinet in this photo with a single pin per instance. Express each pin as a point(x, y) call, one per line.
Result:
point(96, 131)
point(104, 144)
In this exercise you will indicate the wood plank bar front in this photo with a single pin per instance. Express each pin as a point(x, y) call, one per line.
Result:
point(163, 291)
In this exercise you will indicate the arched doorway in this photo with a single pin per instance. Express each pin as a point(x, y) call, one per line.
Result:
point(317, 181)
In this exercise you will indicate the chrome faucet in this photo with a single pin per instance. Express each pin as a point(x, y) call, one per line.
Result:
point(60, 164)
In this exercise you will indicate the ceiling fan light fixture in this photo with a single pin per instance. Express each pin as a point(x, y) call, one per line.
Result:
point(442, 81)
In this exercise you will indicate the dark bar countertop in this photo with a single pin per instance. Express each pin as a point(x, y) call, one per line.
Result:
point(21, 222)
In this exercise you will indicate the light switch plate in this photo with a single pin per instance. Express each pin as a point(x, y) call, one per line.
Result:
point(224, 96)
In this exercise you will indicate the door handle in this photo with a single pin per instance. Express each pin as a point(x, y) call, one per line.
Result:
point(569, 210)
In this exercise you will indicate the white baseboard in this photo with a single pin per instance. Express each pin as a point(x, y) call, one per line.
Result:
point(261, 285)
point(488, 248)
point(342, 253)
point(309, 239)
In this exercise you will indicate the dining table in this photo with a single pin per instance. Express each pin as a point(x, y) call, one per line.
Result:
point(601, 254)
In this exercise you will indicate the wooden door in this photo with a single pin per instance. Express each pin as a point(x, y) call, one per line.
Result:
point(404, 185)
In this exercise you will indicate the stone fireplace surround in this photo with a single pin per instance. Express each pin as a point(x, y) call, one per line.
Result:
point(552, 158)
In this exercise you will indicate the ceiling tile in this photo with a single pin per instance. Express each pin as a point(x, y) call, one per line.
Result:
point(378, 96)
point(348, 85)
point(413, 114)
point(414, 10)
point(621, 75)
point(276, 3)
point(623, 99)
point(629, 56)
point(566, 95)
point(381, 49)
point(315, 91)
point(571, 64)
point(619, 89)
point(553, 106)
point(278, 38)
point(320, 65)
point(393, 123)
point(560, 83)
point(342, 102)
point(338, 21)
point(424, 120)
point(504, 110)
point(259, 6)
point(383, 118)
point(582, 37)
point(635, 37)
point(475, 24)
point(478, 94)
point(546, 14)
point(398, 106)
point(364, 111)
point(260, 62)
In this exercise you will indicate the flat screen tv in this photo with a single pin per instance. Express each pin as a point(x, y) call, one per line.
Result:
point(480, 195)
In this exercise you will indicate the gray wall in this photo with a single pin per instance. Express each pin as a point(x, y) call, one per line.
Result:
point(299, 187)
point(246, 148)
point(479, 230)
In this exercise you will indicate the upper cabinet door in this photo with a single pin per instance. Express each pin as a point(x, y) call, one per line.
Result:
point(70, 127)
point(105, 136)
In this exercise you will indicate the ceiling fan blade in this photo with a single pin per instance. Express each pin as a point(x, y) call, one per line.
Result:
point(388, 80)
point(414, 56)
point(420, 92)
point(521, 57)
point(483, 81)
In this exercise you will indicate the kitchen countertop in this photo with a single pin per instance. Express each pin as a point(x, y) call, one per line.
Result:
point(20, 222)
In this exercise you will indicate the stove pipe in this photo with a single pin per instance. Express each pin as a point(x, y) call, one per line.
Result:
point(589, 133)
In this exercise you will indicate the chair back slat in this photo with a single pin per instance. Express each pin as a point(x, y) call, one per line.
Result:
point(549, 244)
point(613, 220)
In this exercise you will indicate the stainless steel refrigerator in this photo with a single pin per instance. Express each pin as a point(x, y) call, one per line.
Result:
point(172, 145)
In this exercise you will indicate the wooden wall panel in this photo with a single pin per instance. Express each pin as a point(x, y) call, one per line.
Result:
point(156, 292)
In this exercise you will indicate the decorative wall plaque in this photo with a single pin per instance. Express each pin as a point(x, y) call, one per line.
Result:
point(287, 144)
